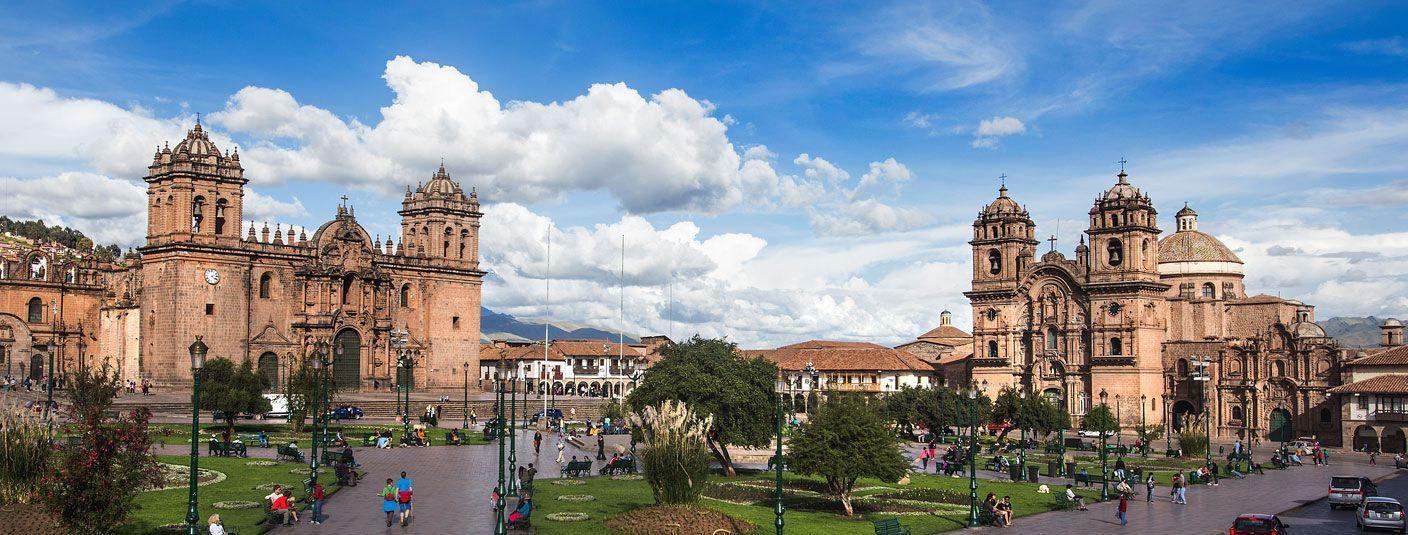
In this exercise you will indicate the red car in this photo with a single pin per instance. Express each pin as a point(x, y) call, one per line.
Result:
point(1258, 525)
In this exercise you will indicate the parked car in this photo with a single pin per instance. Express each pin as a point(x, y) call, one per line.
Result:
point(1350, 490)
point(1380, 512)
point(552, 413)
point(1088, 434)
point(1400, 461)
point(220, 416)
point(1302, 445)
point(346, 412)
point(1258, 525)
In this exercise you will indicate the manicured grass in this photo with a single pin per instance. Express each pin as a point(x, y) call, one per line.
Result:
point(280, 433)
point(168, 506)
point(614, 497)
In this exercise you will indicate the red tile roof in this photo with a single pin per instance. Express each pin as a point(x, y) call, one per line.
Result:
point(842, 356)
point(1393, 356)
point(947, 333)
point(593, 348)
point(1383, 384)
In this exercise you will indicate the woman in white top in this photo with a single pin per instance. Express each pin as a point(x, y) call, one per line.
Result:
point(216, 528)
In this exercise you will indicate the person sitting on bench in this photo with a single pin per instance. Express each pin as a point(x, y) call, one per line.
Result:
point(454, 437)
point(1232, 471)
point(525, 508)
point(1073, 498)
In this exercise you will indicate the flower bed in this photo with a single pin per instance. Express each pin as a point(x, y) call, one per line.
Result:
point(568, 482)
point(179, 476)
point(261, 463)
point(568, 516)
point(234, 504)
point(576, 498)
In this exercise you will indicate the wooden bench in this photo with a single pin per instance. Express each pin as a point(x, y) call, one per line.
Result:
point(292, 454)
point(1063, 503)
point(327, 457)
point(994, 464)
point(889, 526)
point(215, 448)
point(624, 465)
point(772, 463)
point(577, 468)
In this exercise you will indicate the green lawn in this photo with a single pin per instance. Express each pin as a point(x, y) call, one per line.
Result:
point(280, 433)
point(807, 514)
point(160, 507)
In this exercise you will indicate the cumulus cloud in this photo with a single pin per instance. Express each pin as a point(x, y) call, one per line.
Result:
point(989, 130)
point(261, 207)
point(106, 209)
point(866, 217)
point(817, 168)
point(888, 172)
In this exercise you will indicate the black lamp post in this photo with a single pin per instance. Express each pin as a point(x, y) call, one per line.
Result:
point(973, 454)
point(1104, 455)
point(1168, 428)
point(1143, 431)
point(1022, 450)
point(778, 465)
point(513, 430)
point(635, 382)
point(406, 364)
point(197, 351)
point(465, 424)
point(1118, 435)
point(499, 527)
point(320, 403)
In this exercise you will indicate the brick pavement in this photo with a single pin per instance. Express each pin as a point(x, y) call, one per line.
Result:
point(1210, 509)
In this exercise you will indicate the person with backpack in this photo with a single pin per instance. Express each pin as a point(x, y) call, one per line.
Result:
point(1149, 486)
point(389, 500)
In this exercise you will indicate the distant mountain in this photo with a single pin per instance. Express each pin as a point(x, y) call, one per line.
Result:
point(1354, 332)
point(496, 326)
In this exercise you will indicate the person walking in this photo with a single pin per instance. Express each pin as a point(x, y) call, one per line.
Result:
point(537, 442)
point(1180, 490)
point(317, 500)
point(600, 448)
point(1123, 509)
point(923, 460)
point(403, 494)
point(389, 501)
point(1149, 488)
point(1373, 455)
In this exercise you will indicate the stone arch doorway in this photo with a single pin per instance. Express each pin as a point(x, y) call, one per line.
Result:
point(1393, 440)
point(1365, 438)
point(269, 367)
point(36, 367)
point(1280, 428)
point(347, 367)
point(1182, 410)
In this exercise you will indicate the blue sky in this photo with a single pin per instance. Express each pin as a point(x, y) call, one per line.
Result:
point(796, 170)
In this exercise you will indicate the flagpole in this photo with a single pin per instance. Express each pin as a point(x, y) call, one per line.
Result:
point(547, 304)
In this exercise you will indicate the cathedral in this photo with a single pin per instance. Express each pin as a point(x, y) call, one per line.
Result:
point(254, 298)
point(1159, 329)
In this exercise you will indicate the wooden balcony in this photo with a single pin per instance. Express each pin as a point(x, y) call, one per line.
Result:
point(853, 387)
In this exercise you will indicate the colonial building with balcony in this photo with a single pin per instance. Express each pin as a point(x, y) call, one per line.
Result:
point(592, 368)
point(832, 366)
point(1373, 403)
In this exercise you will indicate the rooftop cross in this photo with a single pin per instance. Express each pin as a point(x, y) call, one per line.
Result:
point(1003, 178)
point(1122, 161)
point(344, 201)
point(1052, 239)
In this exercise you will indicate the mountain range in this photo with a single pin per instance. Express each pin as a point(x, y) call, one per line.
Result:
point(496, 326)
point(1353, 331)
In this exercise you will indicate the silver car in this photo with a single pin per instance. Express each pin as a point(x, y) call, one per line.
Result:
point(1350, 491)
point(1380, 512)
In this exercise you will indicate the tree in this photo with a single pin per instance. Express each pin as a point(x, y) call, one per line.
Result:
point(847, 439)
point(92, 487)
point(304, 384)
point(674, 459)
point(901, 408)
point(713, 378)
point(232, 390)
point(1101, 420)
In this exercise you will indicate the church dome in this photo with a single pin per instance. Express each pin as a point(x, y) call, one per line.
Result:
point(1194, 246)
point(197, 143)
point(440, 185)
point(1122, 189)
point(1307, 329)
point(1002, 204)
point(1392, 323)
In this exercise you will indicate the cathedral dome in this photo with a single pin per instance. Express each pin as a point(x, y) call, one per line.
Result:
point(1122, 189)
point(440, 185)
point(1194, 246)
point(1307, 329)
point(197, 143)
point(1002, 204)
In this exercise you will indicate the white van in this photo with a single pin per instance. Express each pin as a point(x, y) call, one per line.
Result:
point(278, 406)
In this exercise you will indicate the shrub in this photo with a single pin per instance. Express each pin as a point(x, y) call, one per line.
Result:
point(24, 452)
point(675, 460)
point(1191, 438)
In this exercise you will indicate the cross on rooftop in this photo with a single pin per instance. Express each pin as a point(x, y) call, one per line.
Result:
point(1122, 161)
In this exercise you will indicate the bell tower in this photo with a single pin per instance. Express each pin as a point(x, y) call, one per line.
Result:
point(1004, 243)
point(439, 221)
point(1124, 235)
point(195, 193)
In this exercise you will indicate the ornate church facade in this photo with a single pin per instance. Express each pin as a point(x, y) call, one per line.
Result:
point(259, 298)
point(1128, 321)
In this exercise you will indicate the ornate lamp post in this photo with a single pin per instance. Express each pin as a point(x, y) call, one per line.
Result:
point(465, 424)
point(320, 405)
point(499, 527)
point(197, 351)
point(405, 364)
point(1061, 440)
point(1022, 451)
point(512, 430)
point(1104, 455)
point(973, 454)
point(1118, 420)
point(1144, 433)
point(635, 380)
point(1168, 427)
point(778, 465)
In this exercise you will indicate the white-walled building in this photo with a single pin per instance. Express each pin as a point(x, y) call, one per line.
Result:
point(833, 366)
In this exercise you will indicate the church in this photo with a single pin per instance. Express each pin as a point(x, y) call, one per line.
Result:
point(254, 297)
point(1159, 329)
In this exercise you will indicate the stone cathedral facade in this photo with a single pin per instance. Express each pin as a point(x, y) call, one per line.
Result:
point(1130, 316)
point(256, 297)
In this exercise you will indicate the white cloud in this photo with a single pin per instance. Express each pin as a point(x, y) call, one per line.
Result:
point(261, 207)
point(1390, 46)
point(105, 209)
point(1001, 126)
point(817, 168)
point(866, 217)
point(950, 47)
point(887, 172)
point(920, 120)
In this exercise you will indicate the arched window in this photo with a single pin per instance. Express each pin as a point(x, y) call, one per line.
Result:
point(464, 241)
point(36, 310)
point(1322, 367)
point(1278, 368)
point(992, 349)
point(1114, 251)
point(264, 285)
point(1209, 290)
point(1325, 417)
point(1051, 340)
point(994, 262)
point(405, 295)
point(1116, 346)
point(347, 288)
point(197, 213)
point(1181, 368)
point(1236, 412)
point(220, 216)
point(445, 251)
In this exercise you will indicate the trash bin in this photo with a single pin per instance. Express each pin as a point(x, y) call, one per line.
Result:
point(1070, 469)
point(1015, 471)
point(1053, 468)
point(1033, 472)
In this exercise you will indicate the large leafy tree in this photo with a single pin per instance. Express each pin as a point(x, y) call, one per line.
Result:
point(847, 439)
point(1102, 420)
point(902, 407)
point(714, 379)
point(303, 384)
point(232, 390)
point(91, 488)
point(1032, 412)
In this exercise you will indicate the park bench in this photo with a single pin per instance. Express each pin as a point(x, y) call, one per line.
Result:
point(1089, 479)
point(889, 526)
point(290, 453)
point(1052, 448)
point(986, 517)
point(1239, 456)
point(994, 464)
point(368, 440)
point(624, 465)
point(577, 468)
point(327, 457)
point(1193, 478)
point(1170, 453)
point(1063, 503)
point(772, 463)
point(272, 517)
point(216, 448)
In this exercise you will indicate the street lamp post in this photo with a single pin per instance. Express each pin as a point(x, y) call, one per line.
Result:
point(320, 406)
point(1168, 427)
point(513, 431)
point(465, 424)
point(973, 455)
point(405, 365)
point(1118, 435)
point(499, 527)
point(1104, 455)
point(778, 465)
point(1022, 450)
point(1143, 432)
point(1061, 440)
point(197, 351)
point(635, 381)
